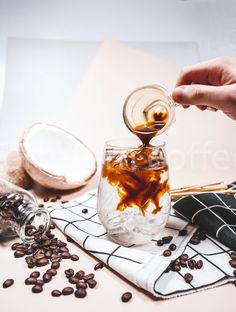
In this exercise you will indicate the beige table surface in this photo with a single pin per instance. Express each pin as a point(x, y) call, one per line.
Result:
point(116, 70)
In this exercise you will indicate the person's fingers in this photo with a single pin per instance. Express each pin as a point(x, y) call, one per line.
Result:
point(185, 106)
point(212, 109)
point(216, 97)
point(209, 72)
point(202, 107)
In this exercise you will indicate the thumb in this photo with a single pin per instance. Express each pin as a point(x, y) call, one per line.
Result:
point(213, 96)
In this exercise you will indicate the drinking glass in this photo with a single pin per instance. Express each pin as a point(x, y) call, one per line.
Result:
point(133, 194)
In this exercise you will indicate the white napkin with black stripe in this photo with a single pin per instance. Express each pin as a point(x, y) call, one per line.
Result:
point(145, 265)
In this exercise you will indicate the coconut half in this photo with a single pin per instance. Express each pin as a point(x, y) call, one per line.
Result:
point(55, 158)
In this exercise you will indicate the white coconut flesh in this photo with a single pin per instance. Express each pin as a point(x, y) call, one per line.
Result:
point(64, 159)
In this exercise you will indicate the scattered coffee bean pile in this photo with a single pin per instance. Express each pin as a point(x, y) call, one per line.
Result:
point(49, 250)
point(184, 261)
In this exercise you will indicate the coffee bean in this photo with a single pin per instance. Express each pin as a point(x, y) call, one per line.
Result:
point(80, 274)
point(74, 257)
point(47, 277)
point(98, 265)
point(37, 289)
point(30, 260)
point(35, 274)
point(61, 244)
point(172, 247)
point(126, 296)
point(46, 199)
point(176, 268)
point(52, 272)
point(160, 242)
point(183, 232)
point(53, 200)
point(167, 239)
point(55, 265)
point(67, 291)
point(88, 277)
point(58, 197)
point(85, 210)
point(30, 281)
point(232, 263)
point(191, 264)
point(9, 282)
point(34, 246)
point(63, 249)
point(69, 273)
point(40, 282)
point(30, 265)
point(81, 284)
point(21, 247)
point(195, 240)
point(92, 283)
point(80, 293)
point(13, 247)
point(233, 255)
point(184, 257)
point(182, 263)
point(29, 251)
point(55, 258)
point(188, 277)
point(48, 254)
point(19, 253)
point(199, 264)
point(65, 255)
point(42, 262)
point(201, 234)
point(56, 293)
point(73, 280)
point(39, 255)
point(167, 253)
point(64, 201)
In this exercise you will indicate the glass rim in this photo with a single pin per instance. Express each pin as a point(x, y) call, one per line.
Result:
point(112, 143)
point(41, 211)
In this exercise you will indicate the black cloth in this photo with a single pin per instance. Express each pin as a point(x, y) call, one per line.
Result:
point(213, 212)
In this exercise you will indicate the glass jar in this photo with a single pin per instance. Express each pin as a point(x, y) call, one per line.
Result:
point(133, 194)
point(18, 211)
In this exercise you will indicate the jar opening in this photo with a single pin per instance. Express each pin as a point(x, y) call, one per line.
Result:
point(36, 219)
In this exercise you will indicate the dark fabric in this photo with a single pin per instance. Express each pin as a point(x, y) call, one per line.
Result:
point(213, 212)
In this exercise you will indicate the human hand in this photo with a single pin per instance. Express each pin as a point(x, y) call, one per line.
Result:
point(208, 85)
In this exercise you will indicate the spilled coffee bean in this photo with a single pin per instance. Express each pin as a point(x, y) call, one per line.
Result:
point(80, 293)
point(56, 293)
point(67, 291)
point(126, 296)
point(188, 278)
point(9, 282)
point(98, 266)
point(37, 289)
